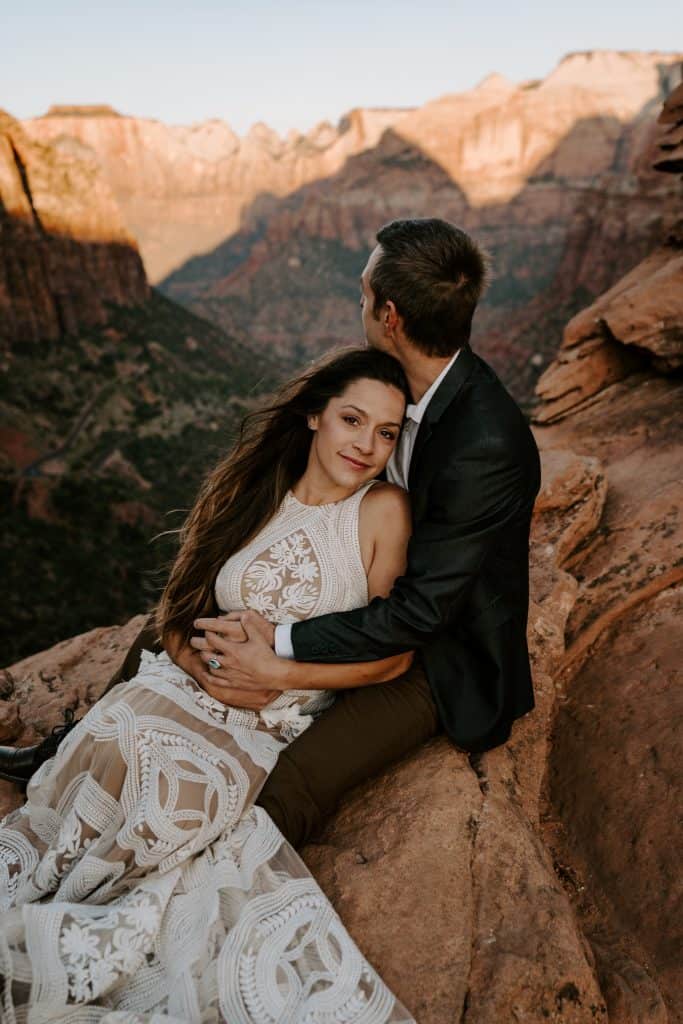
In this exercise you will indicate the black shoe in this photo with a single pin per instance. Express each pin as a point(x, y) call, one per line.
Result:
point(17, 764)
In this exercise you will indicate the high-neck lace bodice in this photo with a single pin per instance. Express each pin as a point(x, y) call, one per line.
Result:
point(306, 561)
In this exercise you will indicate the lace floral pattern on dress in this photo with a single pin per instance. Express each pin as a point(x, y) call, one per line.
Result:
point(284, 582)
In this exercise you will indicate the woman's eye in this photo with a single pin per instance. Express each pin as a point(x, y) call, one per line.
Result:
point(388, 436)
point(350, 419)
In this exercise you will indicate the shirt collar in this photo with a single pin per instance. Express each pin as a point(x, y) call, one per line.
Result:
point(417, 411)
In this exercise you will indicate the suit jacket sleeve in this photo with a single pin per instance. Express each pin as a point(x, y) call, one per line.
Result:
point(470, 502)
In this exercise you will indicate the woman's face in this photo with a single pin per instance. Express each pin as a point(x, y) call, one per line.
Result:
point(357, 432)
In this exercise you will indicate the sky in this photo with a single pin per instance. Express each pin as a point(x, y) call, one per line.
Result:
point(295, 64)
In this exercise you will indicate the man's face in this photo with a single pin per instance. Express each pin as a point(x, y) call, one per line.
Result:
point(373, 326)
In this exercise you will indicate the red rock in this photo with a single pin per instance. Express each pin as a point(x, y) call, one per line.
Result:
point(66, 253)
point(578, 374)
point(613, 775)
point(641, 314)
point(672, 111)
point(73, 674)
point(670, 141)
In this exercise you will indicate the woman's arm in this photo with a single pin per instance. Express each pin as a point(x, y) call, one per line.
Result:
point(180, 653)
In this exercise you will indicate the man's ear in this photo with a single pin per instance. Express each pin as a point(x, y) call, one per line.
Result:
point(390, 317)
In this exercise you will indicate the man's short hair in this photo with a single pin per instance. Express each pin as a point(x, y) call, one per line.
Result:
point(434, 273)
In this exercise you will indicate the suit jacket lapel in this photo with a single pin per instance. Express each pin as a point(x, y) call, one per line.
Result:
point(445, 394)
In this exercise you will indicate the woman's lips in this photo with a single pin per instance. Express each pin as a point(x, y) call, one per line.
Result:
point(354, 463)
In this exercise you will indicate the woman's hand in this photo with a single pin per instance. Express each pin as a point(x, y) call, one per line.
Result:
point(240, 643)
point(184, 656)
point(192, 662)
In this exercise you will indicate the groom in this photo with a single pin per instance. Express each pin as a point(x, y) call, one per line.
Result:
point(470, 464)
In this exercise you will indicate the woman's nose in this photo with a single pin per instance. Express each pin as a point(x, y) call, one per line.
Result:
point(365, 442)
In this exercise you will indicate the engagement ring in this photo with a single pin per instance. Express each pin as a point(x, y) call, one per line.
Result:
point(214, 663)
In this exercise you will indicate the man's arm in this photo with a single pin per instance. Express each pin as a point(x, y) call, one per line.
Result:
point(471, 501)
point(251, 665)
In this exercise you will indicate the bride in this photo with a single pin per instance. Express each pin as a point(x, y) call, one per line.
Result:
point(140, 882)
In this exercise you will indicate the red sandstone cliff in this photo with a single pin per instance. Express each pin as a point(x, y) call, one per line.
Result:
point(64, 250)
point(184, 189)
point(553, 177)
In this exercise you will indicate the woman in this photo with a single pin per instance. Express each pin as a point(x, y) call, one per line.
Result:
point(139, 882)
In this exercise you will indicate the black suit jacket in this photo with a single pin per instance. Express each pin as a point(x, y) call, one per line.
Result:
point(463, 600)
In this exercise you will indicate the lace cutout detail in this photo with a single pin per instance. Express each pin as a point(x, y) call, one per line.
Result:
point(284, 583)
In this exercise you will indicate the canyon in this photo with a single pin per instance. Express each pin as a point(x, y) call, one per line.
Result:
point(108, 416)
point(539, 880)
point(266, 237)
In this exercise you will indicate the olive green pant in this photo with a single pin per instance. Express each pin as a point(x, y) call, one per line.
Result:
point(364, 731)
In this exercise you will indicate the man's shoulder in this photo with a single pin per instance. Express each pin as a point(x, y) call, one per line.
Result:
point(486, 406)
point(484, 422)
point(486, 385)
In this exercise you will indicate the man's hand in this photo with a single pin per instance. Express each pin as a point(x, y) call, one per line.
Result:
point(241, 644)
point(191, 662)
point(256, 624)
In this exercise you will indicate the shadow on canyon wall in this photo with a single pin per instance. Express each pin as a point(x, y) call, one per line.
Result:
point(288, 279)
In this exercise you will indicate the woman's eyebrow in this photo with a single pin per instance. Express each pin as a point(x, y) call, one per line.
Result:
point(363, 413)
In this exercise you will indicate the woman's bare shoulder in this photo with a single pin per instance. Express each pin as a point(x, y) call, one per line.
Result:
point(384, 528)
point(386, 506)
point(384, 495)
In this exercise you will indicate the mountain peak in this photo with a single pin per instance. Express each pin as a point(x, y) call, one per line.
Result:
point(494, 83)
point(82, 110)
point(611, 70)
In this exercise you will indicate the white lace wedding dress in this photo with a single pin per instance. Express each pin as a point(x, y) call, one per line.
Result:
point(139, 883)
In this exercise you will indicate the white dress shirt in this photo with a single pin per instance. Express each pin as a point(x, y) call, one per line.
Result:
point(398, 468)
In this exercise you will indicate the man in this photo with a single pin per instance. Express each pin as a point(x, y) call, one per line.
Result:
point(470, 464)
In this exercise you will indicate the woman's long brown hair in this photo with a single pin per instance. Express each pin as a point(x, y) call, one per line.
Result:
point(248, 486)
